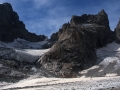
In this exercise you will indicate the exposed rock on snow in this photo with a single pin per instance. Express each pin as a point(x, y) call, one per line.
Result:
point(103, 76)
point(17, 63)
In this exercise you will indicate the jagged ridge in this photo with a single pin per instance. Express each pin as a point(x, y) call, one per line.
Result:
point(12, 28)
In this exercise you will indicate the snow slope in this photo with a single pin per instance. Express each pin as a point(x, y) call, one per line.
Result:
point(29, 55)
point(108, 63)
point(105, 75)
point(23, 44)
point(17, 59)
point(22, 50)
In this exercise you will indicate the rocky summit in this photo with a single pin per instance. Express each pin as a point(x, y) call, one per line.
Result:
point(76, 43)
point(12, 28)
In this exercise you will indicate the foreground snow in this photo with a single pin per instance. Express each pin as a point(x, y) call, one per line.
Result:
point(98, 83)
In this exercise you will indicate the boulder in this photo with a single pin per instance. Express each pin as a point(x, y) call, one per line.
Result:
point(75, 48)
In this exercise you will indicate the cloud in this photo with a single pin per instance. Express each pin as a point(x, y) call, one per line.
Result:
point(49, 22)
point(42, 3)
point(46, 26)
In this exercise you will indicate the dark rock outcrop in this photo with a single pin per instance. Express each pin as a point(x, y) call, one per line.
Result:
point(15, 65)
point(89, 21)
point(101, 19)
point(117, 32)
point(11, 27)
point(54, 37)
point(77, 41)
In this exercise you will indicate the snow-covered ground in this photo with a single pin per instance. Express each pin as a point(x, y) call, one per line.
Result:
point(105, 75)
point(98, 83)
point(29, 55)
point(23, 44)
point(17, 59)
point(22, 50)
point(108, 62)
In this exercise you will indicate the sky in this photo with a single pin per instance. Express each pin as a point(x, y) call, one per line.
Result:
point(48, 16)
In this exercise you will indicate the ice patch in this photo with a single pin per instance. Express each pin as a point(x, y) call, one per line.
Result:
point(111, 75)
point(34, 69)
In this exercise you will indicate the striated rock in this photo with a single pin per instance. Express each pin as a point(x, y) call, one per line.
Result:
point(77, 41)
point(117, 32)
point(70, 53)
point(55, 36)
point(11, 27)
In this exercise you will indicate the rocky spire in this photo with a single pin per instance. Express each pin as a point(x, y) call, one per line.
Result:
point(102, 12)
point(117, 32)
point(118, 25)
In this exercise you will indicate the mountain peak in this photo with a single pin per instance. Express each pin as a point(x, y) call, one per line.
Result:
point(118, 25)
point(8, 5)
point(102, 12)
point(11, 27)
point(119, 21)
point(101, 18)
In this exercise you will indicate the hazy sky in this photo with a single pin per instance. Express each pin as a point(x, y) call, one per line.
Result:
point(47, 16)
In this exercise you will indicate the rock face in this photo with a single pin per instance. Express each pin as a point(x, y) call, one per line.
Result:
point(55, 36)
point(117, 32)
point(11, 27)
point(77, 41)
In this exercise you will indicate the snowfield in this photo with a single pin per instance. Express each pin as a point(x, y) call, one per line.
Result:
point(108, 62)
point(23, 44)
point(105, 75)
point(98, 83)
point(29, 55)
point(22, 50)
